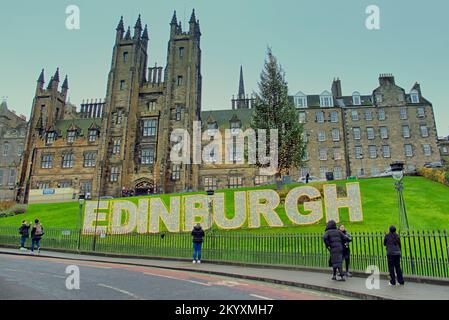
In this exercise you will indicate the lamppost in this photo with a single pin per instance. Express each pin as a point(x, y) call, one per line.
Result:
point(81, 202)
point(397, 169)
point(94, 243)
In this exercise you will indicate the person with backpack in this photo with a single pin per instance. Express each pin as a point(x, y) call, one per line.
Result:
point(24, 232)
point(393, 243)
point(198, 235)
point(36, 235)
point(346, 250)
point(334, 239)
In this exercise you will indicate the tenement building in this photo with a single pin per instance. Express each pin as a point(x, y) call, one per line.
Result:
point(443, 144)
point(123, 142)
point(13, 130)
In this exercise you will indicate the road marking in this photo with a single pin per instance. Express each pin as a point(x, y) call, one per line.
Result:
point(260, 297)
point(173, 278)
point(13, 270)
point(56, 276)
point(119, 290)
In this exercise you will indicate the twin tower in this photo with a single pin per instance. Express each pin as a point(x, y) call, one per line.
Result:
point(142, 107)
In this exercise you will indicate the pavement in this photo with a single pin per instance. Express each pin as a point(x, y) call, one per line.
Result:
point(313, 282)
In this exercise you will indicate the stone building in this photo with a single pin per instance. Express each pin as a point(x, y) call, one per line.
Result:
point(443, 145)
point(13, 130)
point(124, 142)
point(376, 129)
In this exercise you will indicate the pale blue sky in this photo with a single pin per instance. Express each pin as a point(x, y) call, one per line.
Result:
point(315, 41)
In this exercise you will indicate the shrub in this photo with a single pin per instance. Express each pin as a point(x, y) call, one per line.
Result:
point(19, 209)
point(5, 205)
point(437, 175)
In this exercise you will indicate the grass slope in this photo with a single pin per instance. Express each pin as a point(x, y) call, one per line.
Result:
point(427, 207)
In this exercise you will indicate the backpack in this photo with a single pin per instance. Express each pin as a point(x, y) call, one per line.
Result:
point(38, 231)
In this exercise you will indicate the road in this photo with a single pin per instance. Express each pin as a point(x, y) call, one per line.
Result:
point(33, 277)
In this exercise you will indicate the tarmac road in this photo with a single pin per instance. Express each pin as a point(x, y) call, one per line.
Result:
point(28, 277)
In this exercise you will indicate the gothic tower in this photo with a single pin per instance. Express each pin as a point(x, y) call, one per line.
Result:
point(128, 68)
point(48, 107)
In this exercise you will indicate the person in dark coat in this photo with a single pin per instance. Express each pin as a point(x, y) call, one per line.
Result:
point(198, 235)
point(24, 231)
point(36, 235)
point(307, 178)
point(333, 240)
point(393, 243)
point(346, 250)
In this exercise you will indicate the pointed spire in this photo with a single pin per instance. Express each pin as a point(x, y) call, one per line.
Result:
point(56, 76)
point(41, 77)
point(65, 84)
point(120, 26)
point(145, 33)
point(50, 83)
point(192, 17)
point(128, 34)
point(138, 23)
point(174, 20)
point(241, 94)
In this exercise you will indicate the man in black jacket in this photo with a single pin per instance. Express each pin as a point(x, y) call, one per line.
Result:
point(393, 243)
point(24, 231)
point(333, 240)
point(198, 235)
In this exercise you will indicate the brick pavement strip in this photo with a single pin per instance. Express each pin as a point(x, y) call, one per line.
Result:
point(315, 280)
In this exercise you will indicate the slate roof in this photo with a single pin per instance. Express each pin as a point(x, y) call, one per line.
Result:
point(223, 117)
point(83, 124)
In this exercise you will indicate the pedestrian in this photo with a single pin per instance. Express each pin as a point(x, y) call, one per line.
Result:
point(333, 240)
point(198, 235)
point(24, 231)
point(393, 243)
point(36, 235)
point(307, 178)
point(346, 250)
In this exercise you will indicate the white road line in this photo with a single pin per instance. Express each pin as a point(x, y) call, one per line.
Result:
point(57, 276)
point(119, 290)
point(13, 270)
point(260, 297)
point(173, 278)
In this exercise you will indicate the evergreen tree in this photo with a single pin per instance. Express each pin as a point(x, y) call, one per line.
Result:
point(274, 109)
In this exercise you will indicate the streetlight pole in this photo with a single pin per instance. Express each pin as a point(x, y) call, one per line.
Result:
point(397, 169)
point(81, 202)
point(94, 243)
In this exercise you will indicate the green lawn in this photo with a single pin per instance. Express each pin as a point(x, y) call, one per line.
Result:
point(427, 207)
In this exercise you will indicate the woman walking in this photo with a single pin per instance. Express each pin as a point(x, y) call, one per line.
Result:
point(334, 240)
point(393, 243)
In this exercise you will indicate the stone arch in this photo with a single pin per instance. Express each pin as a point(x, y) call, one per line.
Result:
point(144, 186)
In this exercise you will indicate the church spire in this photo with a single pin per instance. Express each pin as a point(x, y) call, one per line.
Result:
point(174, 20)
point(192, 17)
point(241, 94)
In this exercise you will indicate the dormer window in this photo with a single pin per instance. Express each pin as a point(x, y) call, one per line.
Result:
point(414, 96)
point(50, 137)
point(356, 99)
point(300, 100)
point(93, 133)
point(71, 135)
point(326, 99)
point(236, 125)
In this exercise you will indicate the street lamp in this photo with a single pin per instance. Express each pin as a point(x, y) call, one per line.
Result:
point(397, 170)
point(81, 203)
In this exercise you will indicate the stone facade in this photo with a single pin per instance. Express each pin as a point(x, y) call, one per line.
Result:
point(124, 142)
point(13, 130)
point(443, 145)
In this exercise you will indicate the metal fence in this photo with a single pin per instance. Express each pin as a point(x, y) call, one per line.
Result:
point(424, 253)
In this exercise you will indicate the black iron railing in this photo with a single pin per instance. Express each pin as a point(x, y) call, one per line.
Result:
point(424, 253)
